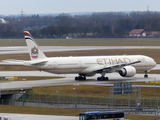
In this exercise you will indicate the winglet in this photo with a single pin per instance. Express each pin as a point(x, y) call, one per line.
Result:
point(34, 50)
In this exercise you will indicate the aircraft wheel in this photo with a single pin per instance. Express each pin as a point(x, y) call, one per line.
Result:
point(102, 78)
point(145, 76)
point(106, 78)
point(76, 78)
point(80, 78)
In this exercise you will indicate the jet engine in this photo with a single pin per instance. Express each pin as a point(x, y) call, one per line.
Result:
point(127, 71)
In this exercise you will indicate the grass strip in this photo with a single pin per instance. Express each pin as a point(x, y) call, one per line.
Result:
point(26, 78)
point(86, 42)
point(96, 91)
point(39, 110)
point(58, 111)
point(30, 78)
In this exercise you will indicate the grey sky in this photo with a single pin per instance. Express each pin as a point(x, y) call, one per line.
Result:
point(66, 6)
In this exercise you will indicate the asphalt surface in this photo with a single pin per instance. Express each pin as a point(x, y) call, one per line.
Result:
point(36, 117)
point(68, 80)
point(24, 49)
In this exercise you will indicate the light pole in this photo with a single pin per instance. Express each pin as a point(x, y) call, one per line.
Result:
point(0, 96)
point(155, 99)
point(75, 95)
point(57, 98)
point(22, 92)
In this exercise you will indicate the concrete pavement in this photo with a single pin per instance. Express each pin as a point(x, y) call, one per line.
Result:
point(36, 117)
point(24, 49)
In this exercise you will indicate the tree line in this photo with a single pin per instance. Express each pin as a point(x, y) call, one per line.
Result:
point(105, 24)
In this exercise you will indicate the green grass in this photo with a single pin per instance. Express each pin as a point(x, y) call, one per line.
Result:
point(29, 78)
point(57, 111)
point(68, 89)
point(93, 90)
point(38, 110)
point(86, 42)
point(139, 117)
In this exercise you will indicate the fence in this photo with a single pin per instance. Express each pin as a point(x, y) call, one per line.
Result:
point(88, 102)
point(127, 103)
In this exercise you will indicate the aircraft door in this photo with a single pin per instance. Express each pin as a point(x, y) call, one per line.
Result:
point(80, 63)
point(54, 64)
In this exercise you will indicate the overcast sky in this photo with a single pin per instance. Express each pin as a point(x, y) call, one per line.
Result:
point(68, 6)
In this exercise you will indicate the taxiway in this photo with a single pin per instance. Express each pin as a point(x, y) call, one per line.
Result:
point(68, 80)
point(24, 49)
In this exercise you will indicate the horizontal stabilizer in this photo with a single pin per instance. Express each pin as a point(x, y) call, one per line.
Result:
point(35, 62)
point(12, 62)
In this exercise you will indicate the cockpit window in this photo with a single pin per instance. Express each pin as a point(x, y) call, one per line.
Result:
point(142, 60)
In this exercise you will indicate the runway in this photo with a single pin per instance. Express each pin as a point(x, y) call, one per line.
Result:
point(69, 80)
point(24, 49)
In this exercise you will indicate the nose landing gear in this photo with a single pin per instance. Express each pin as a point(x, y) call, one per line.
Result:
point(146, 74)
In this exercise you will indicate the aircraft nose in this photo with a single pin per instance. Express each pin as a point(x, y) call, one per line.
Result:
point(154, 63)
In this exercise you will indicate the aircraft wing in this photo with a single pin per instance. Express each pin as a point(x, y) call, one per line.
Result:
point(114, 67)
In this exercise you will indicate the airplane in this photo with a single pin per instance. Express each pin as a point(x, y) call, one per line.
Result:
point(87, 66)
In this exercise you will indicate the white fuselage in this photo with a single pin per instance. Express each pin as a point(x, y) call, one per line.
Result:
point(125, 65)
point(86, 65)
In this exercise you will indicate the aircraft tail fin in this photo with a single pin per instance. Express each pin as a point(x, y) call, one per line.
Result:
point(34, 50)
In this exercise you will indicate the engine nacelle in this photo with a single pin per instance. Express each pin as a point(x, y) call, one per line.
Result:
point(127, 71)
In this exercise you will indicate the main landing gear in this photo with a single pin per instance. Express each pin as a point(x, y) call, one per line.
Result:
point(102, 78)
point(80, 77)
